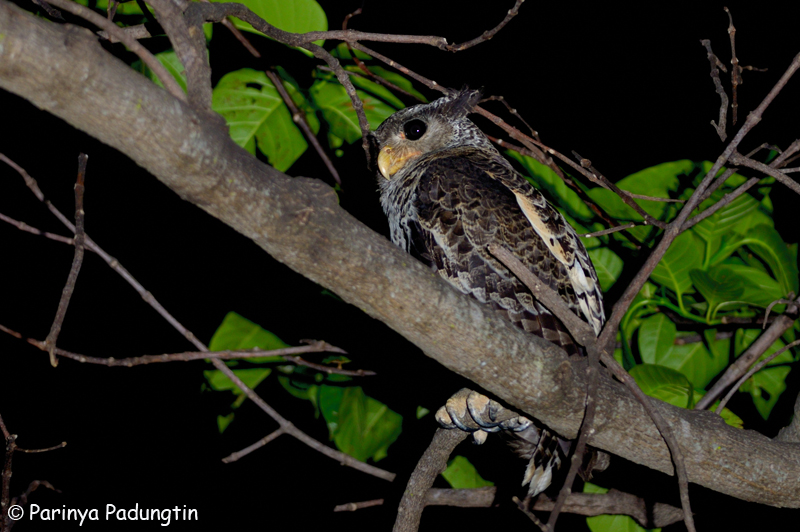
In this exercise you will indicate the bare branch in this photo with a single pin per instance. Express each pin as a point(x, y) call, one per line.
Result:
point(490, 33)
point(353, 506)
point(752, 371)
point(793, 148)
point(133, 45)
point(737, 158)
point(462, 498)
point(616, 503)
point(746, 359)
point(77, 260)
point(285, 424)
point(22, 226)
point(736, 71)
point(720, 125)
point(610, 230)
point(432, 463)
point(254, 446)
point(460, 333)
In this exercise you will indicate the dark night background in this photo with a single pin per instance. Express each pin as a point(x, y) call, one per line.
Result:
point(626, 88)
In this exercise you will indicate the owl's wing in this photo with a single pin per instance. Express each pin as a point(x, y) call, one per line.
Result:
point(469, 198)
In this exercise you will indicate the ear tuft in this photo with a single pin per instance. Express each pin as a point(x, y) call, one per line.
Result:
point(461, 103)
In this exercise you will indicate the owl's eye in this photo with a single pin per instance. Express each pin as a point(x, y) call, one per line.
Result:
point(414, 129)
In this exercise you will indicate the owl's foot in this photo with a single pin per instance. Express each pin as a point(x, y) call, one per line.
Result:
point(473, 412)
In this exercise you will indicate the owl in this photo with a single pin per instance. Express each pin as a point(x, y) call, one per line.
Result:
point(448, 195)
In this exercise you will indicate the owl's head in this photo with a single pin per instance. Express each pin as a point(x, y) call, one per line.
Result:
point(415, 131)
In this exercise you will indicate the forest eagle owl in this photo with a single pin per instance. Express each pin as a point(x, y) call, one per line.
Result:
point(449, 194)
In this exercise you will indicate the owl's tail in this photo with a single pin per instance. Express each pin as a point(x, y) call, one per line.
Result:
point(541, 448)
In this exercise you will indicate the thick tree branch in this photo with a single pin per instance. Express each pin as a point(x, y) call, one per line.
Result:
point(299, 222)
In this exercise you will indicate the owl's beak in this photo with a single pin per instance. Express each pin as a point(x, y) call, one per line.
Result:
point(390, 161)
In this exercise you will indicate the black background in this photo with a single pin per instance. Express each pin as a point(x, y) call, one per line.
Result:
point(626, 87)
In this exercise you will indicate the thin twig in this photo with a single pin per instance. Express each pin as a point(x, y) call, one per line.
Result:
point(299, 118)
point(239, 37)
point(133, 45)
point(339, 456)
point(77, 261)
point(599, 211)
point(723, 202)
point(286, 353)
point(755, 369)
point(610, 230)
point(718, 182)
point(254, 446)
point(490, 33)
point(736, 71)
point(793, 148)
point(746, 359)
point(737, 158)
point(625, 196)
point(353, 506)
point(513, 111)
point(22, 226)
point(50, 10)
point(721, 124)
point(607, 337)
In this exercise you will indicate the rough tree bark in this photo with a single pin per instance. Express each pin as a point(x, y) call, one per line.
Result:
point(62, 69)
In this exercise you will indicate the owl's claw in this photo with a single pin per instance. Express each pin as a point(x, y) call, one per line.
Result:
point(473, 412)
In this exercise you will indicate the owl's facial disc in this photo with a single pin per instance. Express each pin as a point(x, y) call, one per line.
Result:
point(401, 148)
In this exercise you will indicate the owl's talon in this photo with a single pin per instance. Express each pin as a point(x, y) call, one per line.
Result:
point(476, 413)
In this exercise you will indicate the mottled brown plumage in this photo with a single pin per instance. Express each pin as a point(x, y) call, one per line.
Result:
point(449, 193)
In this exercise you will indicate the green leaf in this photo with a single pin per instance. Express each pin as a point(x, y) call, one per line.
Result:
point(656, 338)
point(684, 255)
point(767, 244)
point(664, 383)
point(257, 116)
point(719, 350)
point(237, 333)
point(611, 523)
point(723, 222)
point(359, 425)
point(608, 266)
point(127, 8)
point(224, 421)
point(722, 287)
point(295, 16)
point(342, 52)
point(544, 178)
point(252, 377)
point(461, 474)
point(696, 362)
point(169, 60)
point(299, 389)
point(337, 109)
point(759, 288)
point(374, 88)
